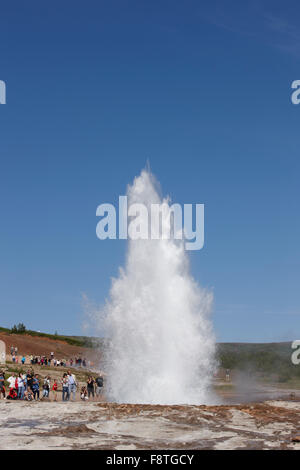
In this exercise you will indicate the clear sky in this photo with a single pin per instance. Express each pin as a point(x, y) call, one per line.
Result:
point(201, 90)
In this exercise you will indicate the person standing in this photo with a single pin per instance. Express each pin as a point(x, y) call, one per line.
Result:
point(90, 387)
point(36, 387)
point(72, 385)
point(25, 382)
point(65, 387)
point(99, 385)
point(12, 381)
point(2, 384)
point(29, 379)
point(54, 390)
point(46, 387)
point(21, 387)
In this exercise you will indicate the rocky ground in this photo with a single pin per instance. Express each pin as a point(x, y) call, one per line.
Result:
point(79, 425)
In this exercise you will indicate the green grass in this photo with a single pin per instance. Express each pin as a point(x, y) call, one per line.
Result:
point(4, 330)
point(81, 341)
point(269, 361)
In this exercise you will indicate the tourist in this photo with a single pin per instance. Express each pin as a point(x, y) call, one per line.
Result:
point(25, 382)
point(2, 384)
point(28, 395)
point(83, 394)
point(99, 384)
point(12, 395)
point(16, 384)
point(29, 378)
point(23, 360)
point(54, 390)
point(36, 387)
point(65, 387)
point(21, 387)
point(72, 385)
point(46, 387)
point(90, 386)
point(12, 381)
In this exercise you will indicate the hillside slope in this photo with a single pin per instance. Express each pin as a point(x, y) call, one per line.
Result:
point(264, 359)
point(39, 344)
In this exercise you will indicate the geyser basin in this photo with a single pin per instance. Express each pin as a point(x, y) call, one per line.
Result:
point(162, 346)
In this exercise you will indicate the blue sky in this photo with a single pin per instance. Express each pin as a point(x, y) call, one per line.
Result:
point(202, 91)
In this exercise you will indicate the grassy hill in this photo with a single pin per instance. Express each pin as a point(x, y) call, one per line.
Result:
point(81, 341)
point(264, 359)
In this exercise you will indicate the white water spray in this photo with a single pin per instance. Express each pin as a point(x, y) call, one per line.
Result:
point(161, 342)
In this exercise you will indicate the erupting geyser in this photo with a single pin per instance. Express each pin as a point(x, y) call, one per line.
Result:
point(161, 347)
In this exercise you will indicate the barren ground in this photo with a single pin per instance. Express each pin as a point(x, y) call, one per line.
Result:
point(39, 345)
point(79, 425)
point(266, 417)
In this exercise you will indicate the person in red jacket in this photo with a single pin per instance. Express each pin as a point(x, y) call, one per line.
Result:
point(54, 389)
point(12, 395)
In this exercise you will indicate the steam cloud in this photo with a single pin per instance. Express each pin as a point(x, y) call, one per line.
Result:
point(161, 347)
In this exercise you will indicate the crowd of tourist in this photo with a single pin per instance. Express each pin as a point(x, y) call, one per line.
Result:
point(29, 386)
point(47, 360)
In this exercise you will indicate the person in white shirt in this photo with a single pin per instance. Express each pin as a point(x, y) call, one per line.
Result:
point(65, 387)
point(12, 381)
point(72, 385)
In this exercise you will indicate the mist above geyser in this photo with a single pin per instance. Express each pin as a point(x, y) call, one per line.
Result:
point(161, 344)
